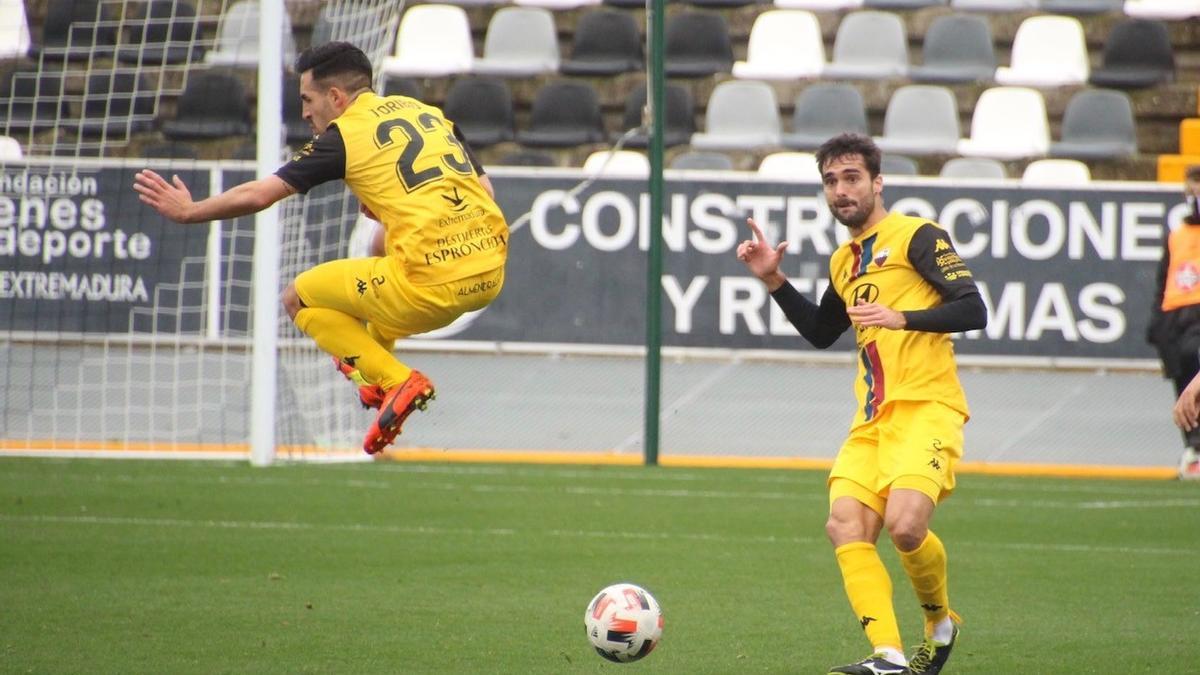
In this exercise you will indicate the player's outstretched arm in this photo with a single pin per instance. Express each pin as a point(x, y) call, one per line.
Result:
point(1187, 408)
point(761, 259)
point(173, 199)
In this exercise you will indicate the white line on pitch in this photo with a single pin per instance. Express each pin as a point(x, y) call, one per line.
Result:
point(509, 532)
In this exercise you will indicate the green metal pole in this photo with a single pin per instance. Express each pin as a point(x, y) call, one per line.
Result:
point(654, 264)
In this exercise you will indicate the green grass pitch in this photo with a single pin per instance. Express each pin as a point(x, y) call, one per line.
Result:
point(182, 567)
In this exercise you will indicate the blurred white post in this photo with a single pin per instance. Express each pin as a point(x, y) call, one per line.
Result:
point(267, 237)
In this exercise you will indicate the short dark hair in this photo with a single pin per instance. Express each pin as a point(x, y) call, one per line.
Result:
point(1192, 172)
point(340, 61)
point(850, 144)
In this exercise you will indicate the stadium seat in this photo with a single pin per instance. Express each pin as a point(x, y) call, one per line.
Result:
point(606, 42)
point(903, 4)
point(116, 105)
point(482, 107)
point(973, 167)
point(170, 150)
point(1162, 9)
point(520, 42)
point(921, 119)
point(626, 4)
point(236, 44)
point(1097, 124)
point(433, 40)
point(998, 6)
point(1056, 173)
point(798, 166)
point(402, 86)
point(164, 32)
point(884, 56)
point(531, 158)
point(10, 148)
point(14, 31)
point(824, 110)
point(957, 49)
point(1078, 7)
point(702, 161)
point(32, 100)
point(212, 105)
point(783, 44)
point(617, 164)
point(1137, 54)
point(564, 114)
point(1048, 51)
point(819, 5)
point(697, 44)
point(85, 25)
point(1008, 123)
point(741, 115)
point(556, 5)
point(678, 117)
point(898, 165)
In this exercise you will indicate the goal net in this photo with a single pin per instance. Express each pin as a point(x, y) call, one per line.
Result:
point(121, 332)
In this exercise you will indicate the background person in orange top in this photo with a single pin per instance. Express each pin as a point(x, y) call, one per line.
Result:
point(1174, 327)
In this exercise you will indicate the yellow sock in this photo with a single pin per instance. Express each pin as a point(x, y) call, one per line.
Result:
point(347, 338)
point(926, 567)
point(870, 592)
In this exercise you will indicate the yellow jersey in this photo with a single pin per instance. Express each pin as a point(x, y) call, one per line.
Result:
point(410, 166)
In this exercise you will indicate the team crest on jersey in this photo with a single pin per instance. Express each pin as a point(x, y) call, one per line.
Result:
point(1188, 277)
point(881, 257)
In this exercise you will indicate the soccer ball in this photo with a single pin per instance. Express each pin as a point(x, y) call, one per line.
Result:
point(623, 622)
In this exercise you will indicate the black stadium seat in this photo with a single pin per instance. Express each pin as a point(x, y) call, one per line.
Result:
point(1137, 54)
point(678, 116)
point(564, 114)
point(213, 105)
point(697, 44)
point(482, 108)
point(606, 42)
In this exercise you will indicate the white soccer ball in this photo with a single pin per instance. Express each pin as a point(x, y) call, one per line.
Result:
point(623, 622)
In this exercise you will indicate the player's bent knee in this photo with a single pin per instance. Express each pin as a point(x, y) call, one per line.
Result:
point(907, 532)
point(291, 300)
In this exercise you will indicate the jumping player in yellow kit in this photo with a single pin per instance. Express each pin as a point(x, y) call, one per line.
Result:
point(901, 285)
point(445, 239)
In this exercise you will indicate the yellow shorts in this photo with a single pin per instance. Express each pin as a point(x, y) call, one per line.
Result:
point(909, 444)
point(377, 291)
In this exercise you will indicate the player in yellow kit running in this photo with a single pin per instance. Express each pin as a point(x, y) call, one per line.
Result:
point(445, 239)
point(901, 285)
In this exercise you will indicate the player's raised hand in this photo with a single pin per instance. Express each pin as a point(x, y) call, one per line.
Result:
point(760, 258)
point(172, 200)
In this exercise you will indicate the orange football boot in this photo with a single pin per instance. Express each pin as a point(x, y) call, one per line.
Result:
point(415, 393)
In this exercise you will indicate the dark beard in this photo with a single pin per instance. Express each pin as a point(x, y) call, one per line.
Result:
point(858, 218)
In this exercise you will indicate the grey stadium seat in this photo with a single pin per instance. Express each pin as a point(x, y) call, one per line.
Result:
point(117, 104)
point(898, 165)
point(703, 161)
point(997, 6)
point(824, 110)
point(741, 114)
point(1080, 6)
point(921, 119)
point(1097, 124)
point(957, 48)
point(1138, 53)
point(883, 56)
point(903, 4)
point(973, 167)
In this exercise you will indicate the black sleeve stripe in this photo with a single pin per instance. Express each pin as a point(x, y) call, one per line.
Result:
point(467, 148)
point(321, 160)
point(933, 257)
